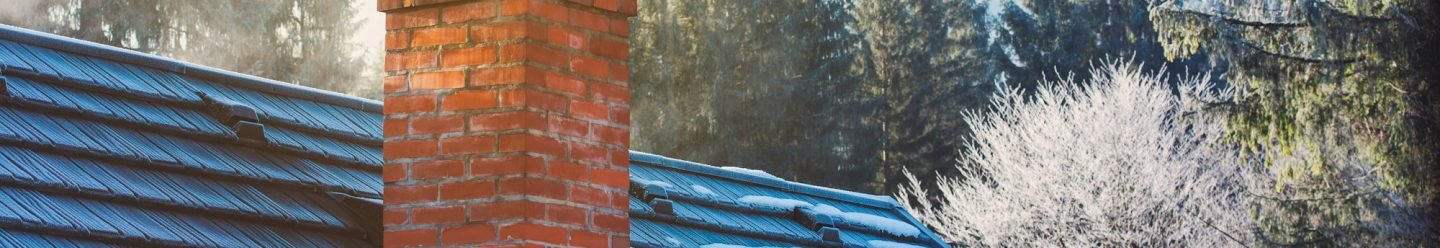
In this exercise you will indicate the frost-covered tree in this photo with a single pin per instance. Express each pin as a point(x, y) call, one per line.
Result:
point(1122, 160)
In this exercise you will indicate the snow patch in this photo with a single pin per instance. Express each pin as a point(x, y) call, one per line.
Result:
point(702, 190)
point(773, 204)
point(871, 221)
point(752, 172)
point(888, 244)
point(647, 182)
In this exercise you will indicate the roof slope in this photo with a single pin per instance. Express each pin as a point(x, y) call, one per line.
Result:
point(675, 203)
point(102, 147)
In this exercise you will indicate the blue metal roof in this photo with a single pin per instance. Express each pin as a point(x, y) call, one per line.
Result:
point(715, 205)
point(107, 147)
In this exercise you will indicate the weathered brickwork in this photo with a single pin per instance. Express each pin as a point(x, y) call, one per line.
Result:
point(507, 123)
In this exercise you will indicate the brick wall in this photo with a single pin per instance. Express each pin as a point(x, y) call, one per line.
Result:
point(506, 122)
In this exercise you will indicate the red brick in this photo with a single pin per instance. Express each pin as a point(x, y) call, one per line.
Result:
point(620, 200)
point(409, 194)
point(582, 238)
point(409, 60)
point(492, 32)
point(589, 196)
point(610, 177)
point(395, 40)
point(411, 19)
point(397, 127)
point(470, 99)
point(588, 109)
point(506, 75)
point(409, 104)
point(468, 234)
point(588, 20)
point(437, 80)
point(438, 215)
point(394, 217)
point(569, 126)
point(524, 142)
point(568, 171)
point(555, 12)
point(474, 144)
point(507, 210)
point(618, 50)
point(568, 38)
point(565, 84)
point(410, 238)
point(517, 7)
point(609, 92)
point(523, 97)
point(620, 73)
point(501, 166)
point(438, 124)
point(393, 173)
point(620, 115)
point(612, 135)
point(611, 222)
point(437, 169)
point(438, 36)
point(620, 28)
point(619, 241)
point(469, 12)
point(408, 148)
point(534, 53)
point(468, 56)
point(590, 66)
point(473, 189)
point(565, 214)
point(529, 186)
point(587, 152)
point(394, 84)
point(620, 157)
point(534, 232)
point(611, 5)
point(628, 8)
point(506, 121)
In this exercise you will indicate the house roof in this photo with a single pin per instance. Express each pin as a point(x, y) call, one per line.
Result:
point(676, 203)
point(102, 147)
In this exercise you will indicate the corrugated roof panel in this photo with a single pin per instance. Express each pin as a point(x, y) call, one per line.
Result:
point(719, 207)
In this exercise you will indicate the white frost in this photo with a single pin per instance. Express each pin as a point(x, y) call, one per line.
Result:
point(871, 221)
point(647, 182)
point(752, 172)
point(702, 190)
point(772, 203)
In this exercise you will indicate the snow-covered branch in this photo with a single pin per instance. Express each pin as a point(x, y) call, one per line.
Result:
point(1120, 160)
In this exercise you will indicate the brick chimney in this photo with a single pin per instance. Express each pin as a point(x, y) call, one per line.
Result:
point(507, 123)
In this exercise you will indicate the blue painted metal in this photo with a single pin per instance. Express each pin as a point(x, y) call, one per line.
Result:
point(715, 215)
point(107, 147)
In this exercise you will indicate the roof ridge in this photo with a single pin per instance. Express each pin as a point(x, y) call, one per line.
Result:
point(251, 82)
point(776, 183)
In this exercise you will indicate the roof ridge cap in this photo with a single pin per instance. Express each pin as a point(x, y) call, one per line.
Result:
point(779, 184)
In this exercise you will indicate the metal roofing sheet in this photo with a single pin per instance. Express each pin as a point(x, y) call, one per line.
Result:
point(100, 146)
point(710, 206)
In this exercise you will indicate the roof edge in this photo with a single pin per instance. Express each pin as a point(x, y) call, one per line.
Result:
point(817, 191)
point(72, 45)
